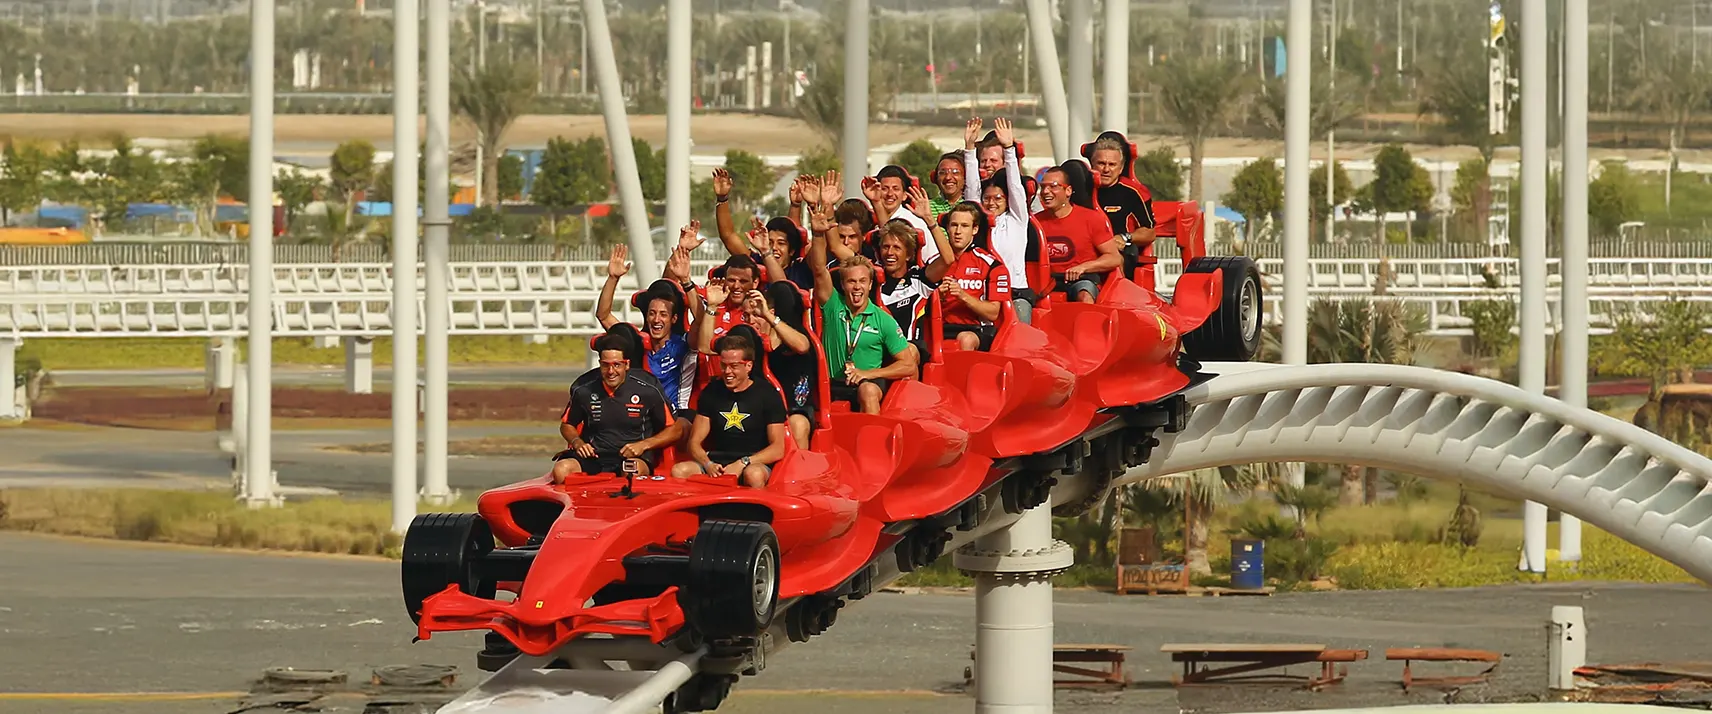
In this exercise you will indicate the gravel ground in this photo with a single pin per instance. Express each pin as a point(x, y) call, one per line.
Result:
point(82, 617)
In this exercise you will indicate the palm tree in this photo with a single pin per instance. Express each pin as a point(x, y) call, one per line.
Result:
point(491, 99)
point(1676, 91)
point(1200, 94)
point(1205, 490)
point(1369, 332)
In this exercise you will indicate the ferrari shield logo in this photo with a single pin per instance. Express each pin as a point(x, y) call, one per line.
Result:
point(1164, 332)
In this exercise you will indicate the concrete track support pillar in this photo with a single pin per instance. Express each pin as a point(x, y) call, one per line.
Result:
point(10, 390)
point(1013, 613)
point(222, 355)
point(359, 365)
point(1051, 80)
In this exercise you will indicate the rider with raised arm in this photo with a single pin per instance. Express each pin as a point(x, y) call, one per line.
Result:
point(782, 256)
point(1001, 196)
point(739, 426)
point(857, 335)
point(619, 420)
point(888, 191)
point(973, 283)
point(671, 358)
point(1078, 239)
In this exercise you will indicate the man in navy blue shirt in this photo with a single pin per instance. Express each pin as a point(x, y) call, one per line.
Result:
point(616, 423)
point(671, 358)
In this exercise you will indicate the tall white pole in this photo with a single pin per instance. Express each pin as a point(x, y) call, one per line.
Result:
point(1331, 134)
point(618, 138)
point(1013, 612)
point(436, 233)
point(1572, 363)
point(1079, 33)
point(1114, 105)
point(856, 96)
point(404, 147)
point(1051, 79)
point(1299, 39)
point(259, 461)
point(678, 92)
point(1533, 253)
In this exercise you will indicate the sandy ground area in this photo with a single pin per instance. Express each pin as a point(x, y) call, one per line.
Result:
point(714, 133)
point(87, 619)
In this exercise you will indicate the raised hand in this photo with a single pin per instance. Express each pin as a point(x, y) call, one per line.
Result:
point(796, 190)
point(1002, 132)
point(678, 265)
point(617, 266)
point(689, 237)
point(871, 189)
point(758, 236)
point(820, 219)
point(831, 188)
point(919, 204)
point(972, 132)
point(716, 292)
point(721, 183)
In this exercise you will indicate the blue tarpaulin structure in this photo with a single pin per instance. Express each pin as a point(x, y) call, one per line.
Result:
point(384, 208)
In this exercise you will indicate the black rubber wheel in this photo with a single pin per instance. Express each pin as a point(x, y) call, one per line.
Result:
point(1232, 332)
point(443, 549)
point(733, 585)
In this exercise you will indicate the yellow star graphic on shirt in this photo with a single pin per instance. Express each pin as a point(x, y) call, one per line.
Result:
point(734, 419)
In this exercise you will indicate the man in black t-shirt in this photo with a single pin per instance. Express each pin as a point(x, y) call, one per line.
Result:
point(618, 421)
point(739, 427)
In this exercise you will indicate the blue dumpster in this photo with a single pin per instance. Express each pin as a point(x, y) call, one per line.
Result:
point(1248, 567)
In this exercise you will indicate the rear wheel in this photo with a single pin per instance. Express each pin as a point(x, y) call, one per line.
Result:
point(733, 585)
point(1232, 332)
point(442, 549)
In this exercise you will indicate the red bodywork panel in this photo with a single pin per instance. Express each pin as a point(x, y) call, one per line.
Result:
point(932, 447)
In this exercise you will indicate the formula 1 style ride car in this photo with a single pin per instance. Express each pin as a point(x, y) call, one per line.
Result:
point(701, 562)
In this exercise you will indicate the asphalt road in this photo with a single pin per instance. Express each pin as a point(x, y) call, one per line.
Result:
point(100, 456)
point(131, 621)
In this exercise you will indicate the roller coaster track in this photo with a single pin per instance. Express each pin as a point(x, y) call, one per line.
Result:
point(1633, 484)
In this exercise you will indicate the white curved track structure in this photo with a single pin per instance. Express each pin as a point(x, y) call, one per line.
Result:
point(1630, 482)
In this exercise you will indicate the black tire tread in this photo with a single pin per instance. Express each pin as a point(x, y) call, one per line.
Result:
point(1220, 338)
point(433, 556)
point(716, 594)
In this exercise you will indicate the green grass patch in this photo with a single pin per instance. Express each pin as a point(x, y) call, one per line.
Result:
point(189, 352)
point(318, 525)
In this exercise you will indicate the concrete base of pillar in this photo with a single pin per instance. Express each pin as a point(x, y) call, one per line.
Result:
point(222, 359)
point(535, 339)
point(359, 365)
point(1013, 612)
point(326, 342)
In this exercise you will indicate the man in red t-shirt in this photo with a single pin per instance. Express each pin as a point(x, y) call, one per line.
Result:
point(1079, 241)
point(725, 302)
point(972, 281)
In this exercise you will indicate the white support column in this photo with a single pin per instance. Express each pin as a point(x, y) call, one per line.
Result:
point(1051, 79)
point(749, 72)
point(766, 73)
point(405, 109)
point(1533, 253)
point(240, 432)
point(359, 365)
point(1298, 46)
point(436, 233)
point(1114, 105)
point(855, 96)
point(1572, 342)
point(678, 95)
point(9, 379)
point(222, 358)
point(618, 138)
point(258, 481)
point(1079, 33)
point(1013, 612)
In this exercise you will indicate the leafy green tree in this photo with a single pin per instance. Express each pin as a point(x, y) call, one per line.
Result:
point(919, 157)
point(751, 180)
point(21, 176)
point(818, 160)
point(1257, 192)
point(1363, 331)
point(1471, 194)
point(296, 191)
point(351, 170)
point(510, 177)
point(1663, 347)
point(651, 167)
point(1613, 198)
point(491, 98)
point(1341, 190)
point(571, 173)
point(1159, 171)
point(1399, 184)
point(1677, 91)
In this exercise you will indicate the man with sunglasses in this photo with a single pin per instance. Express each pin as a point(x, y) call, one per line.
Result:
point(616, 423)
point(739, 428)
point(1079, 242)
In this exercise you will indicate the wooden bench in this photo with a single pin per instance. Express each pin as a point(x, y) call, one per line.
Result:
point(1248, 658)
point(1064, 657)
point(1410, 655)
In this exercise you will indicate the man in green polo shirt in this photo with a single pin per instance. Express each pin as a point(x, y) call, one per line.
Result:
point(858, 336)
